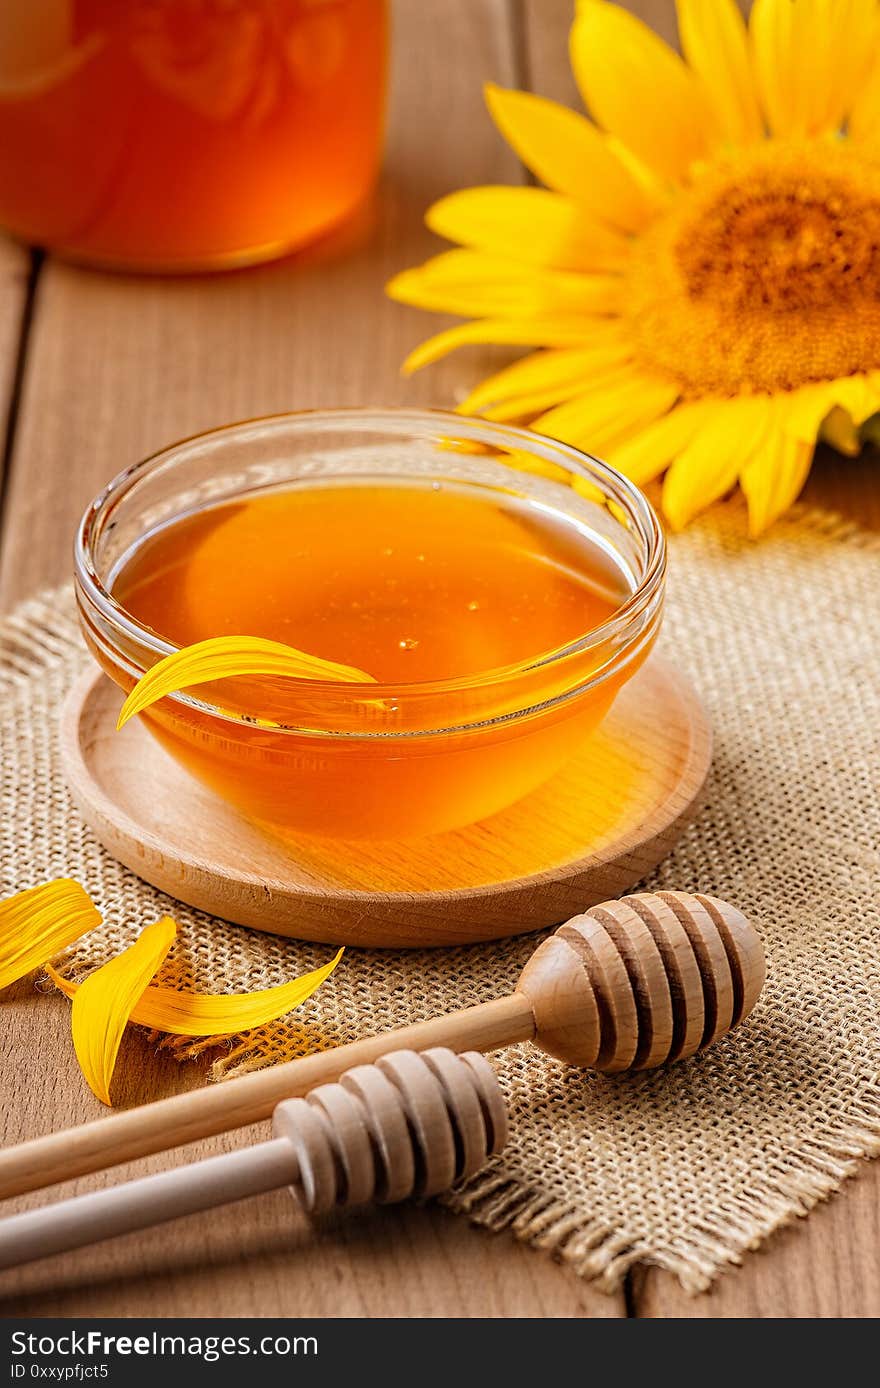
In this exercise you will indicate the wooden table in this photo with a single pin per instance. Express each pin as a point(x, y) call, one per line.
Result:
point(95, 372)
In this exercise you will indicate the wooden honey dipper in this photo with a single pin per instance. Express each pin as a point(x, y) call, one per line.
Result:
point(626, 986)
point(410, 1125)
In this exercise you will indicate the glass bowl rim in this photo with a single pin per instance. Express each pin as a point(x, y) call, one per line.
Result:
point(613, 484)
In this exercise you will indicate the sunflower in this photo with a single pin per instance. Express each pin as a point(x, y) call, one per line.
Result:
point(701, 270)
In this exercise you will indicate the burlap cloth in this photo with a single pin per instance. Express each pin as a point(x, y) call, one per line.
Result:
point(685, 1168)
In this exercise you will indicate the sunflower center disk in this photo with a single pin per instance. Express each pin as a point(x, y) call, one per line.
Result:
point(766, 276)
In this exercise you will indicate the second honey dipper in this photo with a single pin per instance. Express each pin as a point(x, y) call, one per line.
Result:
point(630, 984)
point(411, 1125)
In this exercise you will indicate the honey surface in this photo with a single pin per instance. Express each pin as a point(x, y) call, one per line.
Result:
point(408, 582)
point(186, 132)
point(413, 583)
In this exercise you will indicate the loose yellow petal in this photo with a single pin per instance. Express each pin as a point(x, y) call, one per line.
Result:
point(571, 155)
point(619, 406)
point(532, 225)
point(104, 1002)
point(516, 332)
point(773, 477)
point(227, 657)
point(214, 1014)
point(709, 466)
point(639, 90)
point(715, 43)
point(38, 923)
point(546, 370)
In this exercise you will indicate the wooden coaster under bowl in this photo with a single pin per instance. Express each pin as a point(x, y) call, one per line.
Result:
point(586, 835)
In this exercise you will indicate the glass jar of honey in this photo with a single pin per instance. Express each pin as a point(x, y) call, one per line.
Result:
point(498, 588)
point(186, 134)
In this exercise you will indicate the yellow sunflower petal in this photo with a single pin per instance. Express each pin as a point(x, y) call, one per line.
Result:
point(811, 60)
point(104, 1003)
point(37, 923)
point(715, 43)
point(858, 395)
point(532, 225)
point(644, 456)
point(839, 432)
point(569, 154)
point(770, 29)
point(478, 285)
point(710, 464)
point(599, 419)
point(773, 477)
point(548, 369)
point(518, 332)
point(807, 408)
point(215, 1014)
point(864, 118)
point(526, 406)
point(226, 657)
point(639, 90)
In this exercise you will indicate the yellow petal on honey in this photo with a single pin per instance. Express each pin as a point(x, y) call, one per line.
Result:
point(37, 923)
point(105, 1001)
point(215, 1014)
point(227, 657)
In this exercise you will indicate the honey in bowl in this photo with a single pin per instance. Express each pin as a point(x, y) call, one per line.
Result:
point(409, 582)
point(186, 134)
point(497, 611)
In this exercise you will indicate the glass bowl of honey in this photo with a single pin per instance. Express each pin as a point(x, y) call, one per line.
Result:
point(499, 589)
point(176, 135)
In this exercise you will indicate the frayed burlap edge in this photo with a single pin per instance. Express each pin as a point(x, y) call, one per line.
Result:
point(604, 1255)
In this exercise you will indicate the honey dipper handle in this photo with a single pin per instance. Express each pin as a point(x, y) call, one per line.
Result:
point(170, 1123)
point(152, 1200)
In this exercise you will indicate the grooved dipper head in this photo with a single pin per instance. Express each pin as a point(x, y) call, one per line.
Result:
point(637, 982)
point(412, 1124)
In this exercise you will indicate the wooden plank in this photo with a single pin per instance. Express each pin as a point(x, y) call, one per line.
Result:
point(261, 1257)
point(823, 1267)
point(118, 367)
point(827, 1265)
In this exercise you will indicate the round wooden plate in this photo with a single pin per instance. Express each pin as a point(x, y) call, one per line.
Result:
point(587, 835)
